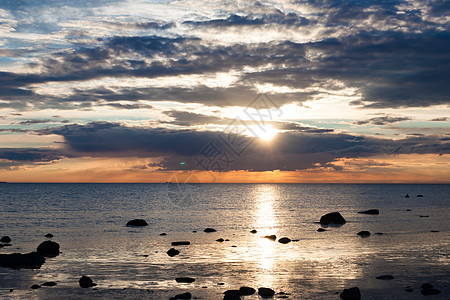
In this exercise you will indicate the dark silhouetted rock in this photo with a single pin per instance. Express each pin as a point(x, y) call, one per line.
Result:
point(163, 234)
point(351, 294)
point(182, 243)
point(184, 279)
point(227, 240)
point(5, 239)
point(1, 245)
point(194, 231)
point(378, 233)
point(409, 290)
point(406, 196)
point(182, 296)
point(427, 286)
point(266, 292)
point(49, 235)
point(423, 216)
point(434, 230)
point(370, 212)
point(332, 218)
point(363, 233)
point(247, 291)
point(271, 237)
point(209, 230)
point(419, 196)
point(172, 252)
point(220, 240)
point(321, 230)
point(48, 249)
point(86, 282)
point(31, 260)
point(429, 292)
point(385, 277)
point(137, 222)
point(284, 240)
point(232, 295)
point(35, 286)
point(49, 283)
point(253, 231)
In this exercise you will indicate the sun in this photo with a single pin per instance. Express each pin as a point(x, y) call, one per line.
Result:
point(266, 133)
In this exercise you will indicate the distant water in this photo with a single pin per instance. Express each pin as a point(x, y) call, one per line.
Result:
point(88, 221)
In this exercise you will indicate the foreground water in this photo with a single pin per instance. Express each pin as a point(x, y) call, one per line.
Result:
point(88, 221)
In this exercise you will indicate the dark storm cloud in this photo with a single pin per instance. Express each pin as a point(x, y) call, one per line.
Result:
point(41, 121)
point(383, 120)
point(404, 61)
point(184, 118)
point(287, 151)
point(14, 157)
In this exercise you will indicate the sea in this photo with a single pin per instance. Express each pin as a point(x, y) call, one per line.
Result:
point(410, 239)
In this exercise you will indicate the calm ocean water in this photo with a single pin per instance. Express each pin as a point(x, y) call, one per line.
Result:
point(88, 221)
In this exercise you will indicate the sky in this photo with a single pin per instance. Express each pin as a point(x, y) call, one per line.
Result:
point(225, 91)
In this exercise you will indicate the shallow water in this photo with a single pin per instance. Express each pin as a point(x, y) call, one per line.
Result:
point(88, 221)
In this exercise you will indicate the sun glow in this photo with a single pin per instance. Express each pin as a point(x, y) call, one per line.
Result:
point(265, 132)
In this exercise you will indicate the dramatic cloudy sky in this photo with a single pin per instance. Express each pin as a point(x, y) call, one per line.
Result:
point(225, 91)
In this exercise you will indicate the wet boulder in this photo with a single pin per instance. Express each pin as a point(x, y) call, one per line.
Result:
point(5, 239)
point(49, 283)
point(182, 296)
point(33, 260)
point(182, 243)
point(385, 277)
point(246, 291)
point(49, 235)
point(209, 230)
point(351, 294)
point(271, 237)
point(172, 252)
point(184, 279)
point(86, 282)
point(48, 249)
point(332, 218)
point(363, 233)
point(266, 292)
point(137, 222)
point(35, 286)
point(284, 240)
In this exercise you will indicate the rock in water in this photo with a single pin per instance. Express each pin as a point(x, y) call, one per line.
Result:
point(428, 292)
point(284, 240)
point(172, 252)
point(49, 283)
point(209, 230)
point(35, 286)
point(332, 218)
point(31, 260)
point(221, 240)
point(49, 235)
point(406, 196)
point(246, 291)
point(321, 230)
point(370, 212)
point(232, 295)
point(86, 282)
point(48, 249)
point(363, 233)
point(182, 296)
point(266, 292)
point(419, 196)
point(351, 294)
point(271, 237)
point(5, 239)
point(182, 243)
point(253, 231)
point(385, 277)
point(137, 222)
point(184, 279)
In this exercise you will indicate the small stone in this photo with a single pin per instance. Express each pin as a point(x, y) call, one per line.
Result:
point(266, 292)
point(247, 291)
point(182, 296)
point(234, 246)
point(11, 290)
point(5, 239)
point(351, 294)
point(406, 196)
point(137, 222)
point(370, 212)
point(49, 235)
point(209, 230)
point(321, 230)
point(220, 283)
point(421, 216)
point(232, 295)
point(253, 231)
point(220, 240)
point(284, 240)
point(434, 230)
point(363, 233)
point(86, 282)
point(184, 279)
point(194, 231)
point(163, 234)
point(378, 233)
point(271, 237)
point(172, 252)
point(385, 277)
point(408, 209)
point(35, 286)
point(49, 283)
point(420, 196)
point(182, 243)
point(227, 240)
point(332, 218)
